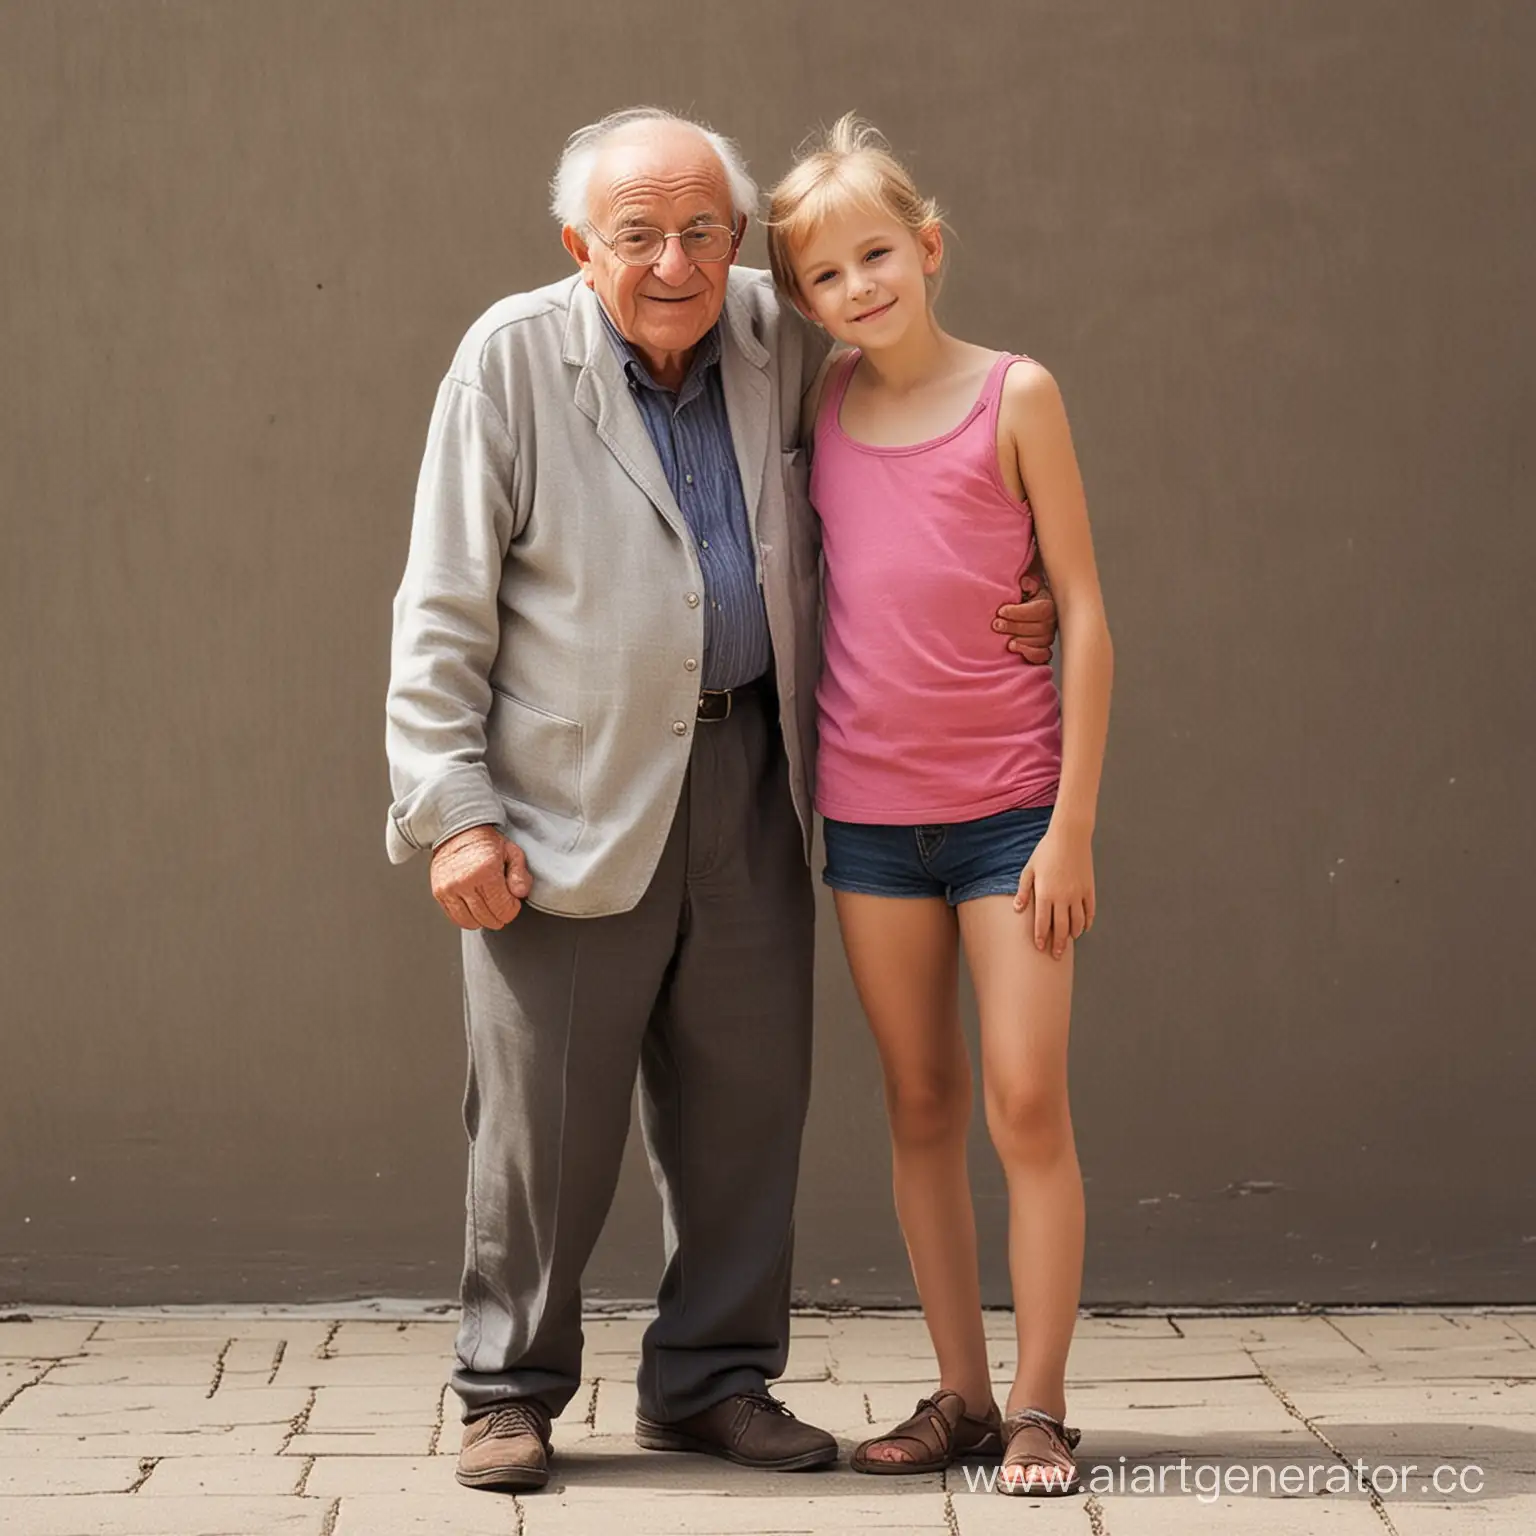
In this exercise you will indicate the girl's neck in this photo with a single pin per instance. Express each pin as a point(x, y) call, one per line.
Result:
point(913, 361)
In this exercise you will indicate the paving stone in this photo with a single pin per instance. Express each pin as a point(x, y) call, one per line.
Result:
point(147, 1345)
point(1395, 1332)
point(343, 1476)
point(1194, 1417)
point(248, 1476)
point(45, 1338)
point(1155, 1359)
point(47, 1475)
point(1291, 1338)
point(18, 1374)
point(253, 1362)
point(361, 1442)
point(616, 1405)
point(451, 1418)
point(96, 1514)
point(182, 1369)
point(1501, 1517)
point(371, 1371)
point(297, 1331)
point(1523, 1323)
point(461, 1511)
point(1446, 1421)
point(991, 1514)
point(139, 1441)
point(1179, 1516)
point(432, 1339)
point(164, 1409)
point(837, 1407)
point(578, 1512)
point(810, 1359)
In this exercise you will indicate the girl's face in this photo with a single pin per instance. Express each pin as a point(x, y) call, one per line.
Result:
point(861, 275)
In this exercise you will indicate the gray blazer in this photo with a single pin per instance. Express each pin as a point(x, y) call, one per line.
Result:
point(548, 632)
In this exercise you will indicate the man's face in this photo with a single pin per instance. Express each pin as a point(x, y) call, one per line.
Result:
point(667, 177)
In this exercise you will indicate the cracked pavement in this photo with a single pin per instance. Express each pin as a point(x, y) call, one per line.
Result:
point(205, 1423)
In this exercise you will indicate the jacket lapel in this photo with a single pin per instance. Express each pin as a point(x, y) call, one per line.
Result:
point(602, 394)
point(743, 364)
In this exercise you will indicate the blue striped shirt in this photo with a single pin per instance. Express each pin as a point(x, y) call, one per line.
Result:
point(692, 434)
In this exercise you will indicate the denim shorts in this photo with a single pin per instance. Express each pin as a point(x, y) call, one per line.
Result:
point(958, 860)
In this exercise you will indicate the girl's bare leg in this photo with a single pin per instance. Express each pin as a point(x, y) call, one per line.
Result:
point(904, 955)
point(1025, 1001)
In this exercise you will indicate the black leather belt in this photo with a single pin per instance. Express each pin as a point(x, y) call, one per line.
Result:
point(715, 703)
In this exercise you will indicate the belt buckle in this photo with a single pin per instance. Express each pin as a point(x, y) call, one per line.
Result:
point(710, 708)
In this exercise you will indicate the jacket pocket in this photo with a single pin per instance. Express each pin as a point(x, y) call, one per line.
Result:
point(534, 759)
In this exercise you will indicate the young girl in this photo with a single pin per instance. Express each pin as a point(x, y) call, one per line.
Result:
point(959, 792)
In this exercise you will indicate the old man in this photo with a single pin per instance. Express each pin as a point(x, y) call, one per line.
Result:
point(601, 724)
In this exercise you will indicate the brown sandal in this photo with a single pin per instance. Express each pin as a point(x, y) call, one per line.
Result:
point(940, 1431)
point(1034, 1470)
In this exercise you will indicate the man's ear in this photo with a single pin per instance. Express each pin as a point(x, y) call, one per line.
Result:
point(741, 234)
point(581, 253)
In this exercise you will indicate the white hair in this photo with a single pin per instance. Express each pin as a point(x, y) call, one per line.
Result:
point(570, 188)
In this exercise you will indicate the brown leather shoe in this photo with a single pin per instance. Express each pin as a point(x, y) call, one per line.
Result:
point(508, 1448)
point(751, 1429)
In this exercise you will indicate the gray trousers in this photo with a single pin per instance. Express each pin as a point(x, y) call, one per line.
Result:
point(705, 988)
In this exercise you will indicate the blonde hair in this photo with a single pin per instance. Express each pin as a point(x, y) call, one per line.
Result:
point(850, 164)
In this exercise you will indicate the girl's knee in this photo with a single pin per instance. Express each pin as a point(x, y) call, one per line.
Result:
point(928, 1111)
point(1029, 1122)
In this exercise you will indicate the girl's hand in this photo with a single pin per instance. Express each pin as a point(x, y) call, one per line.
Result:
point(1059, 880)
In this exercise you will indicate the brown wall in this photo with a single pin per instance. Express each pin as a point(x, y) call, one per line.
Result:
point(1278, 256)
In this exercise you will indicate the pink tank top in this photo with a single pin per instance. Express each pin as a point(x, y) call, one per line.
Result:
point(925, 714)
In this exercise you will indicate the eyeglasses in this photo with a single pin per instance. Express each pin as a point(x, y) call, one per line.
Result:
point(641, 246)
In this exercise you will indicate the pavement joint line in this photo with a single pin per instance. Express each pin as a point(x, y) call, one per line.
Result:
point(1173, 1323)
point(277, 1360)
point(303, 1483)
point(300, 1421)
point(869, 1417)
point(218, 1366)
point(591, 1419)
point(51, 1366)
point(517, 1509)
point(1530, 1338)
point(147, 1464)
point(332, 1515)
point(1095, 1512)
point(1330, 1322)
point(437, 1428)
point(1374, 1495)
point(324, 1350)
point(951, 1519)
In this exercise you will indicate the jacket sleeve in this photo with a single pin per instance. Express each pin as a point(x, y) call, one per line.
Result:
point(447, 625)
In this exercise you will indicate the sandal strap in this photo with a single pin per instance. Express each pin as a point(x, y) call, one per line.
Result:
point(927, 1415)
point(1061, 1435)
point(929, 1431)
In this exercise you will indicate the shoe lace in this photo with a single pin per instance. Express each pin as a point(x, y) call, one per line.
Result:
point(768, 1403)
point(515, 1417)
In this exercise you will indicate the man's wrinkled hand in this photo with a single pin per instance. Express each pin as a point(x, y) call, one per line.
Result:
point(1030, 623)
point(480, 878)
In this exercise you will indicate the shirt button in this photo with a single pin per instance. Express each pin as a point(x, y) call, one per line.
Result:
point(679, 727)
point(692, 599)
point(690, 665)
point(688, 479)
point(703, 543)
